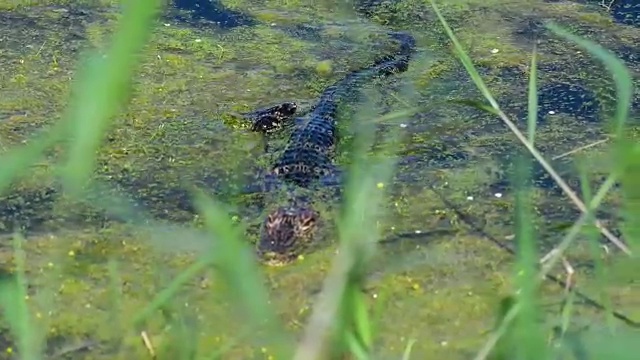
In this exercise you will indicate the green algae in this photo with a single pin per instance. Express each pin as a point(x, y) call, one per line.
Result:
point(170, 134)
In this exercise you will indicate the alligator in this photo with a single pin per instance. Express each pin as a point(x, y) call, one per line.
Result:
point(308, 159)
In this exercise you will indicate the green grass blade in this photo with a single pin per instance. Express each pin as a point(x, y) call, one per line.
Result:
point(406, 355)
point(466, 60)
point(17, 160)
point(623, 147)
point(536, 154)
point(356, 347)
point(475, 104)
point(164, 296)
point(237, 265)
point(566, 312)
point(102, 88)
point(593, 237)
point(13, 299)
point(363, 321)
point(357, 243)
point(529, 340)
point(620, 73)
point(359, 336)
point(630, 180)
point(532, 114)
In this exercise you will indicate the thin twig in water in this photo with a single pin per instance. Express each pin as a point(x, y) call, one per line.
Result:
point(545, 274)
point(608, 7)
point(563, 185)
point(581, 148)
point(570, 272)
point(148, 344)
point(567, 267)
point(41, 47)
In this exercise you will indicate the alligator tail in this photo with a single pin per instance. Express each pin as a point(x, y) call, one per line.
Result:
point(389, 64)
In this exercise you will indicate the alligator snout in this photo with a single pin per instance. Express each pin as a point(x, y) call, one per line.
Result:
point(285, 233)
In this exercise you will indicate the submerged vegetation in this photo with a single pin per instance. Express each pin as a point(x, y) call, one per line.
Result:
point(124, 235)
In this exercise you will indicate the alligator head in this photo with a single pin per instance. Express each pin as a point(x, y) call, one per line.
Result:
point(285, 233)
point(271, 119)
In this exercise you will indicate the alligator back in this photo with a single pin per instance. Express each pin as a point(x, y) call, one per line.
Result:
point(311, 147)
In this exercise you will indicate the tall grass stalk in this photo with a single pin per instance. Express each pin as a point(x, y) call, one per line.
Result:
point(624, 91)
point(528, 331)
point(235, 262)
point(477, 79)
point(594, 247)
point(13, 299)
point(357, 238)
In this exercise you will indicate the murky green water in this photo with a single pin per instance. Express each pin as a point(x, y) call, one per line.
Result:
point(442, 278)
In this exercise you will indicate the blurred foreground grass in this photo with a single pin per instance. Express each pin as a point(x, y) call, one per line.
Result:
point(341, 322)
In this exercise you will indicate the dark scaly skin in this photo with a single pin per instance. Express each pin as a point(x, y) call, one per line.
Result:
point(271, 119)
point(309, 156)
